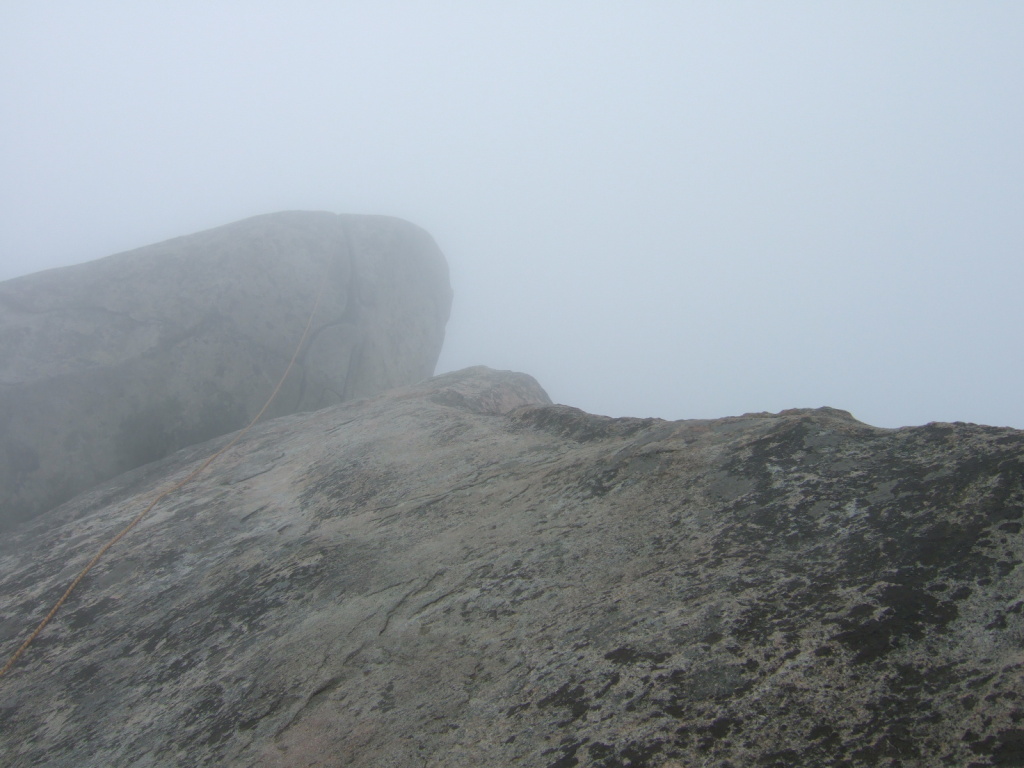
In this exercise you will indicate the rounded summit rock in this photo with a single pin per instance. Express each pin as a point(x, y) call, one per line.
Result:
point(114, 363)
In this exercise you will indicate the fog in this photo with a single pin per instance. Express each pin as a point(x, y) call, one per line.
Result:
point(662, 209)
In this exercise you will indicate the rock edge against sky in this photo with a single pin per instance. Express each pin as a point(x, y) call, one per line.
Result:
point(108, 365)
point(461, 573)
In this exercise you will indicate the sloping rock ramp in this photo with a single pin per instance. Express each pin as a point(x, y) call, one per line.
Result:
point(460, 573)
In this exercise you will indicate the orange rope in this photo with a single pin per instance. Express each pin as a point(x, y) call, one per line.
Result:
point(103, 550)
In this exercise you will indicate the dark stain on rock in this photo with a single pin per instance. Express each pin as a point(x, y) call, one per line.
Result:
point(903, 612)
point(626, 655)
point(566, 755)
point(611, 681)
point(570, 697)
point(632, 754)
point(1009, 748)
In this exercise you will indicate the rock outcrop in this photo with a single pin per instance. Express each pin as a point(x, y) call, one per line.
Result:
point(460, 573)
point(112, 364)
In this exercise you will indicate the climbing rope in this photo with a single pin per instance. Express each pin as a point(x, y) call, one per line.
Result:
point(191, 476)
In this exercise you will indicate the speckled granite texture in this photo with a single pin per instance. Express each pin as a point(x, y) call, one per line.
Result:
point(462, 574)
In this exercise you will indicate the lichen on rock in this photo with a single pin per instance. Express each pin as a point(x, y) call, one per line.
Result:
point(461, 573)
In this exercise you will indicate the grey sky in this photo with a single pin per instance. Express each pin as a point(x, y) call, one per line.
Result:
point(657, 209)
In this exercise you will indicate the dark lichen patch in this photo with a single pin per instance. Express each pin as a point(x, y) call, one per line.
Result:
point(901, 613)
point(781, 758)
point(716, 730)
point(825, 734)
point(1008, 749)
point(610, 682)
point(632, 754)
point(600, 751)
point(783, 608)
point(625, 655)
point(570, 697)
point(565, 753)
point(999, 622)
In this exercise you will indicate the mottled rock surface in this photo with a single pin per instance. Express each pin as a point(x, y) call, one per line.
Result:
point(112, 364)
point(462, 574)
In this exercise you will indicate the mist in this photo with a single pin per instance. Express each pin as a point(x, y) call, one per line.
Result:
point(682, 210)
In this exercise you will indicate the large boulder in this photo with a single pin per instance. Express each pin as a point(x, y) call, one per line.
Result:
point(114, 363)
point(459, 573)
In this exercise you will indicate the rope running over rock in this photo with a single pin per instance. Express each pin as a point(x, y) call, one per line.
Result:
point(191, 476)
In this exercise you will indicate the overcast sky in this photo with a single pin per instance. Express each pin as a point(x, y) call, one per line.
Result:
point(657, 209)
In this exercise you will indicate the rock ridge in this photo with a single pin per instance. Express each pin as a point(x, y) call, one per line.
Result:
point(461, 573)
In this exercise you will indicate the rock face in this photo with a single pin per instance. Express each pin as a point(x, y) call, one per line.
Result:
point(112, 364)
point(461, 574)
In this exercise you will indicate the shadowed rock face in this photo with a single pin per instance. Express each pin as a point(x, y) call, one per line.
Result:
point(112, 364)
point(462, 574)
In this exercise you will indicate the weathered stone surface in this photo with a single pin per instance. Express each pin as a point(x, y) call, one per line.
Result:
point(461, 574)
point(112, 364)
